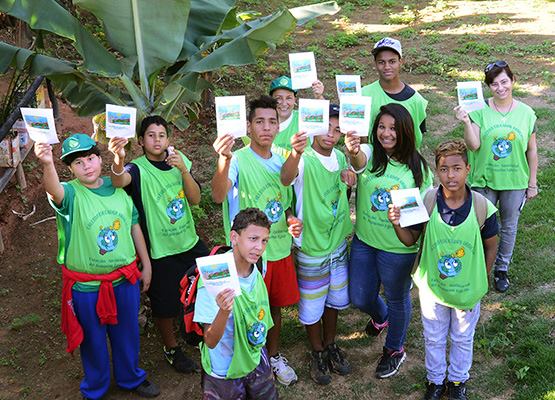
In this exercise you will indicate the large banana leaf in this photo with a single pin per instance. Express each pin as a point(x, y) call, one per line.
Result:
point(19, 58)
point(49, 16)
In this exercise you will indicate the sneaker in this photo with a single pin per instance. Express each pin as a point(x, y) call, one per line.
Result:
point(179, 361)
point(389, 363)
point(433, 391)
point(319, 371)
point(374, 329)
point(337, 361)
point(501, 279)
point(147, 389)
point(456, 390)
point(283, 372)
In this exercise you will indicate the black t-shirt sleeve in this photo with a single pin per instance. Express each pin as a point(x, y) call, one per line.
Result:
point(491, 227)
point(423, 126)
point(135, 184)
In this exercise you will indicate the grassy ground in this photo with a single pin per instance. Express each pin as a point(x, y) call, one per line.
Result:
point(443, 41)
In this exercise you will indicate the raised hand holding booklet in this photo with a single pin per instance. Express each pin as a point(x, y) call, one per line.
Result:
point(470, 95)
point(231, 116)
point(354, 114)
point(40, 124)
point(303, 70)
point(120, 121)
point(348, 85)
point(218, 273)
point(314, 116)
point(413, 210)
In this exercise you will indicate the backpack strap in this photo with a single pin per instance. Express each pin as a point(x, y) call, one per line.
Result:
point(480, 203)
point(430, 201)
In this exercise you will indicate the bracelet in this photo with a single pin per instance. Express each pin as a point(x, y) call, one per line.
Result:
point(532, 187)
point(115, 173)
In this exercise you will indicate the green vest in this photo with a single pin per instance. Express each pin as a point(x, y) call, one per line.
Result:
point(282, 141)
point(326, 209)
point(262, 189)
point(453, 269)
point(416, 106)
point(373, 198)
point(171, 228)
point(251, 322)
point(101, 239)
point(500, 162)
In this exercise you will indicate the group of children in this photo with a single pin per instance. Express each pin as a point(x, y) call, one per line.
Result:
point(285, 199)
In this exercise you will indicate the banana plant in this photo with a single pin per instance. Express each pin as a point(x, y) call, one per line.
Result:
point(156, 52)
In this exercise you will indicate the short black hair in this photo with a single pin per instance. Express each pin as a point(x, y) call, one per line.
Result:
point(495, 71)
point(250, 216)
point(262, 102)
point(152, 119)
point(67, 160)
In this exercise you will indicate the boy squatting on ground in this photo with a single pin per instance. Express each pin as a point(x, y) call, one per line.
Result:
point(452, 276)
point(99, 240)
point(234, 360)
point(389, 88)
point(162, 187)
point(320, 177)
point(249, 177)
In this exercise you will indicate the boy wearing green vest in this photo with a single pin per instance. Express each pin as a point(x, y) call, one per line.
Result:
point(234, 360)
point(99, 241)
point(162, 187)
point(452, 275)
point(320, 176)
point(389, 88)
point(249, 177)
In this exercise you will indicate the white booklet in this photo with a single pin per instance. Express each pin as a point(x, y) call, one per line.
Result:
point(231, 116)
point(354, 114)
point(314, 116)
point(303, 70)
point(413, 210)
point(470, 95)
point(40, 124)
point(218, 273)
point(348, 85)
point(120, 121)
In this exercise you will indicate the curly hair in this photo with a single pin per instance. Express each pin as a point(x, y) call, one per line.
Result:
point(250, 216)
point(454, 147)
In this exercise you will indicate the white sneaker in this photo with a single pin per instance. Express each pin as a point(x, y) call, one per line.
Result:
point(283, 372)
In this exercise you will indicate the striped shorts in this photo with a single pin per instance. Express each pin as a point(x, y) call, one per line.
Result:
point(323, 282)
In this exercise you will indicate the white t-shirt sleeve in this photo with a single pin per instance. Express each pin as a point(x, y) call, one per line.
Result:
point(233, 173)
point(368, 153)
point(205, 307)
point(298, 181)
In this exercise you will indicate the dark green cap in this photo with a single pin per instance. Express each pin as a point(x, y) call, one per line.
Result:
point(75, 143)
point(282, 82)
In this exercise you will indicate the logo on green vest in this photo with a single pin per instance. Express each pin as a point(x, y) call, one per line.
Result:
point(256, 334)
point(381, 198)
point(502, 147)
point(174, 210)
point(450, 265)
point(107, 238)
point(274, 209)
point(334, 205)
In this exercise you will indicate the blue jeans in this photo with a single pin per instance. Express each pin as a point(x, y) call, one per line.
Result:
point(369, 268)
point(510, 202)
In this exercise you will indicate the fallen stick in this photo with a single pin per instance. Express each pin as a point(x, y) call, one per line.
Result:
point(24, 216)
point(43, 220)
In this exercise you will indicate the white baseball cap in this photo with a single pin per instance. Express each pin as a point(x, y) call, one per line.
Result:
point(388, 43)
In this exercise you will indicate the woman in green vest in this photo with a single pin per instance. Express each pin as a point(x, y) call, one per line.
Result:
point(377, 255)
point(504, 158)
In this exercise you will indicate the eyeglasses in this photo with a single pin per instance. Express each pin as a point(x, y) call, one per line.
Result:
point(498, 64)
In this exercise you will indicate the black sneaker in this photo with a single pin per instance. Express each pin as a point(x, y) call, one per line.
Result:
point(501, 279)
point(179, 361)
point(389, 363)
point(456, 390)
point(319, 371)
point(337, 361)
point(433, 391)
point(374, 329)
point(147, 389)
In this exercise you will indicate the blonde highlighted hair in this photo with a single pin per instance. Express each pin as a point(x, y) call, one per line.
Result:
point(452, 147)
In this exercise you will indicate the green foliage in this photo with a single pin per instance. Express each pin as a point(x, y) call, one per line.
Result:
point(341, 40)
point(25, 321)
point(407, 16)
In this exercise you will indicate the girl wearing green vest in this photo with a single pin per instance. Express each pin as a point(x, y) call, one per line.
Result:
point(162, 188)
point(320, 177)
point(377, 256)
point(389, 88)
point(235, 362)
point(452, 275)
point(504, 158)
point(99, 241)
